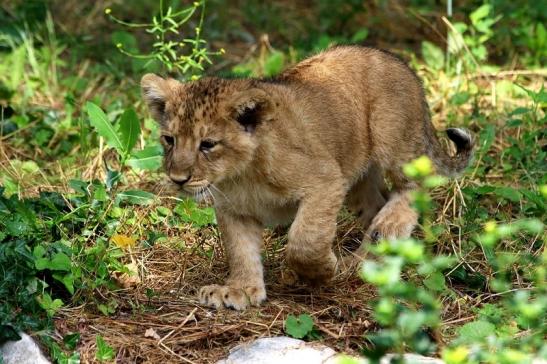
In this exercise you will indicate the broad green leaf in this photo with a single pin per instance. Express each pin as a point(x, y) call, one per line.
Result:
point(112, 178)
point(104, 351)
point(190, 212)
point(300, 326)
point(150, 158)
point(49, 305)
point(508, 193)
point(433, 55)
point(60, 261)
point(410, 322)
point(129, 130)
point(8, 333)
point(104, 127)
point(474, 332)
point(67, 280)
point(274, 64)
point(71, 340)
point(479, 14)
point(435, 282)
point(360, 35)
point(136, 197)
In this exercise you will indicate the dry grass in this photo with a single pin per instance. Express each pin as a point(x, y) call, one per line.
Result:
point(188, 332)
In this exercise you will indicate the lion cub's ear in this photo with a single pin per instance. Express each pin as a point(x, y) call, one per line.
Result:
point(250, 107)
point(155, 91)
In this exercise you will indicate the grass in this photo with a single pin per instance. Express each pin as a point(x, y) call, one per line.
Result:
point(135, 267)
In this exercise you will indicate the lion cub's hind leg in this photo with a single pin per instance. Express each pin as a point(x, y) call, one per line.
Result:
point(397, 218)
point(367, 196)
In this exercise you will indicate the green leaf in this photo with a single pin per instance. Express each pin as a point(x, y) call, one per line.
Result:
point(129, 130)
point(135, 197)
point(150, 158)
point(460, 98)
point(433, 55)
point(104, 351)
point(360, 35)
point(274, 64)
point(49, 305)
point(474, 332)
point(112, 178)
point(8, 333)
point(435, 282)
point(508, 193)
point(60, 261)
point(71, 340)
point(67, 280)
point(190, 212)
point(103, 126)
point(300, 326)
point(479, 14)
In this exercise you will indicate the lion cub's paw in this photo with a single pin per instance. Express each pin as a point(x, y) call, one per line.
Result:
point(218, 296)
point(393, 221)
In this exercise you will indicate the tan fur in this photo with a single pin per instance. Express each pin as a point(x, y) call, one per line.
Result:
point(295, 149)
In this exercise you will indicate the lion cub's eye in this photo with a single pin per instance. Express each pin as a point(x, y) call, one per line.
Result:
point(168, 140)
point(206, 145)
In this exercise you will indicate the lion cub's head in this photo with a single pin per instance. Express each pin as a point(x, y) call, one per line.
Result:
point(209, 127)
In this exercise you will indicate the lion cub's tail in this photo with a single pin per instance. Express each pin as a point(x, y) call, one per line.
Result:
point(451, 165)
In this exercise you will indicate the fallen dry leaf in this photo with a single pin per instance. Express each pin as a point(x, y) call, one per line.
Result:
point(151, 333)
point(123, 241)
point(128, 280)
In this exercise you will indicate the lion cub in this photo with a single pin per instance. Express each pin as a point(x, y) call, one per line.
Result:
point(293, 149)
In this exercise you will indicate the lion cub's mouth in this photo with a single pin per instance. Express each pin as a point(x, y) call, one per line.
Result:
point(198, 190)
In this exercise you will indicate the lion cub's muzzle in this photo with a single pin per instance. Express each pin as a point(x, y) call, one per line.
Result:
point(193, 188)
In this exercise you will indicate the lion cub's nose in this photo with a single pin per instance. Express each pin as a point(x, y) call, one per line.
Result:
point(180, 179)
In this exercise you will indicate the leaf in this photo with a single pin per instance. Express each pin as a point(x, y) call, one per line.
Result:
point(103, 126)
point(300, 326)
point(360, 35)
point(433, 55)
point(435, 282)
point(60, 262)
point(49, 305)
point(104, 351)
point(112, 178)
point(150, 158)
point(274, 64)
point(123, 241)
point(129, 130)
point(190, 212)
point(67, 280)
point(8, 333)
point(479, 14)
point(71, 340)
point(508, 193)
point(136, 197)
point(460, 98)
point(151, 333)
point(474, 332)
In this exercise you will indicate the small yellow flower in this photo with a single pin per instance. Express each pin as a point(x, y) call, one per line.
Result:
point(119, 45)
point(222, 51)
point(423, 165)
point(107, 11)
point(194, 77)
point(490, 226)
point(196, 4)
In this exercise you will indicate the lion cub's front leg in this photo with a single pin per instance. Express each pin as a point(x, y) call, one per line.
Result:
point(242, 240)
point(309, 250)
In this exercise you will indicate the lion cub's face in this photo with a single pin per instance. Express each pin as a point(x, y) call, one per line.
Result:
point(209, 127)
